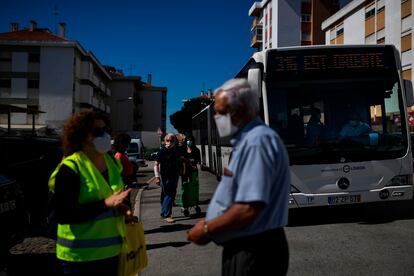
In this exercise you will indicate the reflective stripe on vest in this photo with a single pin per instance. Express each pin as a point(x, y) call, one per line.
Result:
point(89, 243)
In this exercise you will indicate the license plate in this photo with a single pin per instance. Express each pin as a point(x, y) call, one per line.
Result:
point(7, 206)
point(345, 199)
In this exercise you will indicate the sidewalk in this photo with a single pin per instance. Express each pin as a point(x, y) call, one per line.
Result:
point(169, 252)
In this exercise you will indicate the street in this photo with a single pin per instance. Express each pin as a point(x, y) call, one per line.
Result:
point(345, 240)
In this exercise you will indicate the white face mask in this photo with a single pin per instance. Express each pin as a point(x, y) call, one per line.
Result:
point(224, 125)
point(168, 145)
point(102, 143)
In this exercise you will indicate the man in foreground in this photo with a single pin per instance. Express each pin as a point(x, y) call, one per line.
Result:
point(250, 206)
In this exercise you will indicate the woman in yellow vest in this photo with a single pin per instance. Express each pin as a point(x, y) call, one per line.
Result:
point(89, 199)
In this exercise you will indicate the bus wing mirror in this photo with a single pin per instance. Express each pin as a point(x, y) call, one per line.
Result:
point(409, 93)
point(254, 77)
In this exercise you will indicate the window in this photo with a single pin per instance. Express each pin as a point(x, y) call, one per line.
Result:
point(405, 8)
point(406, 42)
point(369, 13)
point(32, 83)
point(306, 17)
point(34, 57)
point(5, 83)
point(340, 31)
point(306, 36)
point(381, 41)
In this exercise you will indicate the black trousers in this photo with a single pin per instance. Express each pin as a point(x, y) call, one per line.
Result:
point(262, 254)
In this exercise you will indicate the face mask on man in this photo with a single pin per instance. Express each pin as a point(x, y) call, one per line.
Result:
point(169, 143)
point(102, 143)
point(224, 125)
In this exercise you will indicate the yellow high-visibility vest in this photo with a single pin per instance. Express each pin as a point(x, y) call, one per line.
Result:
point(101, 237)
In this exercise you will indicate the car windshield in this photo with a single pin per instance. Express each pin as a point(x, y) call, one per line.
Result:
point(132, 148)
point(342, 120)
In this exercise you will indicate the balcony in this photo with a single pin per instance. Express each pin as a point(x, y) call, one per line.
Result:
point(256, 38)
point(254, 24)
point(86, 94)
point(102, 86)
point(86, 70)
point(256, 9)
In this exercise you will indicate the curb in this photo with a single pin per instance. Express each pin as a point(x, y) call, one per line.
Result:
point(137, 207)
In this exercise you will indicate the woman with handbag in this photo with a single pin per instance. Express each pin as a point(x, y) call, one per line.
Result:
point(89, 196)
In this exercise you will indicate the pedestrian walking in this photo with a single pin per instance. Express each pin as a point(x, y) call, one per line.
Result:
point(129, 172)
point(189, 194)
point(166, 169)
point(250, 205)
point(89, 206)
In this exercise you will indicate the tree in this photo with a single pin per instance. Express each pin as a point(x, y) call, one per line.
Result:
point(181, 120)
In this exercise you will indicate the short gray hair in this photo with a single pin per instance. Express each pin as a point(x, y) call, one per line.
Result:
point(240, 95)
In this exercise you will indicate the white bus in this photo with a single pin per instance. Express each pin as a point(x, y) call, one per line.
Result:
point(335, 85)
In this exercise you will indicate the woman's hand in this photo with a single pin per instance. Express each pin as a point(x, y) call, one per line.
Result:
point(116, 201)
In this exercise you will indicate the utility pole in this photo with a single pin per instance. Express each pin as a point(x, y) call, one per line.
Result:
point(55, 16)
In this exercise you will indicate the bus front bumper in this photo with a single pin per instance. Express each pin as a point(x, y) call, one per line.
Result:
point(298, 200)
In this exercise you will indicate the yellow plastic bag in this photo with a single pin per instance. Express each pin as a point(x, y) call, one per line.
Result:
point(135, 258)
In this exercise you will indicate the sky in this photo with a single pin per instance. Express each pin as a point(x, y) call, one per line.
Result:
point(187, 45)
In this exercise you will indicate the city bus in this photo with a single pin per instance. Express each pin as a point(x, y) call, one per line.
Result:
point(337, 85)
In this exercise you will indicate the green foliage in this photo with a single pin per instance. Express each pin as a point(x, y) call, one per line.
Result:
point(181, 120)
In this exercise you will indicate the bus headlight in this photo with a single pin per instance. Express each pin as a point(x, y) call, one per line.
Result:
point(293, 190)
point(401, 180)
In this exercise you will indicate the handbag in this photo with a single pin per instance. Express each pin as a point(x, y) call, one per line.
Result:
point(134, 257)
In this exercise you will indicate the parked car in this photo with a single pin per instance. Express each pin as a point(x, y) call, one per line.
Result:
point(135, 152)
point(30, 160)
point(12, 214)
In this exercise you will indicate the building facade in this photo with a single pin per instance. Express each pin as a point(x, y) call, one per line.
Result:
point(43, 71)
point(283, 23)
point(374, 22)
point(122, 102)
point(137, 108)
point(152, 113)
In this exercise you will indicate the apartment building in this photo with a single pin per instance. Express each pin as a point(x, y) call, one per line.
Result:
point(122, 101)
point(283, 23)
point(152, 112)
point(47, 72)
point(137, 108)
point(374, 22)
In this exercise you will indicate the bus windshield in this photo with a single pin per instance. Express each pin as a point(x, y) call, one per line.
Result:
point(327, 116)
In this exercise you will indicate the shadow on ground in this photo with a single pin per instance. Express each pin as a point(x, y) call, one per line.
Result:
point(169, 228)
point(166, 244)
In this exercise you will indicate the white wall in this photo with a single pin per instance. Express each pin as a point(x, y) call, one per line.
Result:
point(122, 109)
point(55, 87)
point(286, 23)
point(151, 110)
point(19, 61)
point(393, 23)
point(354, 28)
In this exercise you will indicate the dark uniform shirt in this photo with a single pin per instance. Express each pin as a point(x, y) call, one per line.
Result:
point(170, 161)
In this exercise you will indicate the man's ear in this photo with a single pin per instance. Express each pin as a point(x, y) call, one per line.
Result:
point(237, 116)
